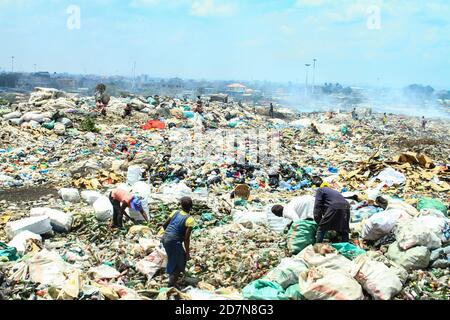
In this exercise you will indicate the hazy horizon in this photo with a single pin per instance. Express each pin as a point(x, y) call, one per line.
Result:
point(359, 43)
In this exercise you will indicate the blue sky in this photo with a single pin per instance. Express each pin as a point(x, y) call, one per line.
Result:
point(247, 39)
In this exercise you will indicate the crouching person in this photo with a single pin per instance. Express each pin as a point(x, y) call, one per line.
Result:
point(121, 200)
point(331, 212)
point(178, 229)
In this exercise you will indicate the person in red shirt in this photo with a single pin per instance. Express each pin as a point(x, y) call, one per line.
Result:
point(122, 199)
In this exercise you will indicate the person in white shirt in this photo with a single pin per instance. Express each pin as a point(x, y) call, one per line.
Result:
point(299, 208)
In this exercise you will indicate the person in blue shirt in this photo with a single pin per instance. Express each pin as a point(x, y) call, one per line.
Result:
point(177, 231)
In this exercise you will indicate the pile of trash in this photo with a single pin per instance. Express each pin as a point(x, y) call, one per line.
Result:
point(60, 159)
point(241, 254)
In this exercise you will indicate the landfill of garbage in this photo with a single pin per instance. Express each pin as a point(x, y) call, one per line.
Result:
point(60, 159)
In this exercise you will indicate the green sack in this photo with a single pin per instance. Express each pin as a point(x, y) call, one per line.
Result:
point(301, 235)
point(8, 252)
point(293, 293)
point(49, 125)
point(428, 203)
point(348, 250)
point(264, 290)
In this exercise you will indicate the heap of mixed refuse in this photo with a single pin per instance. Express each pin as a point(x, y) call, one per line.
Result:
point(60, 159)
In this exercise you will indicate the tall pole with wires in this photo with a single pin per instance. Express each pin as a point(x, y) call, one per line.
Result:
point(306, 80)
point(314, 76)
point(134, 75)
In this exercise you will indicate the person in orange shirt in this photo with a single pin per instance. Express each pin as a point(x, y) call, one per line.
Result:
point(122, 199)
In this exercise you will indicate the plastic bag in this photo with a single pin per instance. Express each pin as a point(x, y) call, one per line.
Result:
point(376, 278)
point(390, 177)
point(60, 221)
point(103, 209)
point(301, 235)
point(10, 253)
point(277, 224)
point(436, 224)
point(293, 293)
point(348, 250)
point(31, 116)
point(103, 272)
point(325, 284)
point(264, 290)
point(176, 189)
point(440, 258)
point(415, 232)
point(332, 261)
point(134, 174)
point(20, 241)
point(12, 115)
point(286, 273)
point(414, 258)
point(38, 225)
point(428, 203)
point(380, 224)
point(48, 268)
point(69, 194)
point(90, 196)
point(394, 203)
point(151, 264)
point(256, 217)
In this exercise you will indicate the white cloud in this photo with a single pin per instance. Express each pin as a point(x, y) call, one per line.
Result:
point(204, 8)
point(301, 3)
point(287, 29)
point(144, 3)
point(252, 43)
point(6, 3)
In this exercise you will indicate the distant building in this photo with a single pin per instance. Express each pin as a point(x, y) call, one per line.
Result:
point(236, 88)
point(66, 83)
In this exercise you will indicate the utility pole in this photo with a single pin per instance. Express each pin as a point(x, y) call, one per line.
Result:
point(134, 75)
point(306, 81)
point(12, 64)
point(314, 76)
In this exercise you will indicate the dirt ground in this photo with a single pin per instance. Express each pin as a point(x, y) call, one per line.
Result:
point(27, 194)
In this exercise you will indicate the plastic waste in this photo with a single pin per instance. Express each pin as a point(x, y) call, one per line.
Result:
point(60, 221)
point(376, 278)
point(69, 194)
point(39, 225)
point(134, 175)
point(286, 273)
point(8, 253)
point(348, 250)
point(414, 258)
point(90, 196)
point(380, 224)
point(264, 290)
point(325, 284)
point(103, 209)
point(428, 203)
point(301, 235)
point(20, 241)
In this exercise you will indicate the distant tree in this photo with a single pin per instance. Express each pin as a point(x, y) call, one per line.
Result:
point(418, 91)
point(9, 80)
